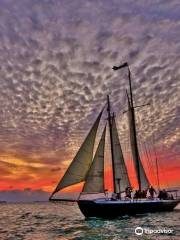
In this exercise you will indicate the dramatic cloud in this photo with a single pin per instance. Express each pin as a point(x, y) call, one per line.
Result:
point(56, 61)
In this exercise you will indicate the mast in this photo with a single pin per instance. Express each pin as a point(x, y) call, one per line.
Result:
point(111, 141)
point(133, 122)
point(134, 130)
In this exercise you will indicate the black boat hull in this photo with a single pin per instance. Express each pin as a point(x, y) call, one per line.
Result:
point(114, 209)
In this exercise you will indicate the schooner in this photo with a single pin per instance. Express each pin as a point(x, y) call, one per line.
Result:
point(90, 169)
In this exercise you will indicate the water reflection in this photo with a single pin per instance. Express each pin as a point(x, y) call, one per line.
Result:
point(43, 221)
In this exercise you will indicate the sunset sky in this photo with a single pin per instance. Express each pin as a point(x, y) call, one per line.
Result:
point(56, 59)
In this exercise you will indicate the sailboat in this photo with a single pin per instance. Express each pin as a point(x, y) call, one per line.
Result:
point(89, 168)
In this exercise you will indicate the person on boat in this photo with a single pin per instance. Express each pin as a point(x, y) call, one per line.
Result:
point(137, 194)
point(152, 191)
point(163, 195)
point(132, 192)
point(114, 196)
point(128, 191)
point(144, 193)
point(106, 193)
point(170, 196)
point(160, 195)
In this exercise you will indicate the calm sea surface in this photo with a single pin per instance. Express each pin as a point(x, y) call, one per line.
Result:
point(56, 221)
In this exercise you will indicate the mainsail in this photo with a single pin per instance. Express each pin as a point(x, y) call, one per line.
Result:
point(120, 167)
point(94, 182)
point(79, 167)
point(144, 182)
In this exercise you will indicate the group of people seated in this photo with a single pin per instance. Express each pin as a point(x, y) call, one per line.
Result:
point(162, 195)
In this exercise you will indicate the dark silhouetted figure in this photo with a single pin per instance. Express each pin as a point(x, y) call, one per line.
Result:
point(144, 193)
point(163, 194)
point(137, 194)
point(106, 193)
point(160, 196)
point(114, 196)
point(128, 192)
point(152, 191)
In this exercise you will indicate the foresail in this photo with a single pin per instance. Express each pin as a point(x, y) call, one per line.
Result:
point(120, 167)
point(144, 180)
point(94, 182)
point(79, 167)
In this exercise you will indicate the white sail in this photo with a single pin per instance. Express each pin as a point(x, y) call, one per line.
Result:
point(144, 180)
point(80, 165)
point(94, 182)
point(120, 167)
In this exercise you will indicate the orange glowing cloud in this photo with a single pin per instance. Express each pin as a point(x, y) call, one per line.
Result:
point(18, 173)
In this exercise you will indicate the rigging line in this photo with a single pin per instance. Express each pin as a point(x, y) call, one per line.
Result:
point(161, 166)
point(153, 150)
point(165, 179)
point(148, 152)
point(152, 143)
point(143, 152)
point(156, 173)
point(149, 160)
point(163, 173)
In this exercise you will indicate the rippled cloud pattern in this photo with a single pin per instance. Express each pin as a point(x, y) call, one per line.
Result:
point(56, 59)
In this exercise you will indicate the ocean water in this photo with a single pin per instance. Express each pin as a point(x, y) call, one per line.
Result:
point(57, 221)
